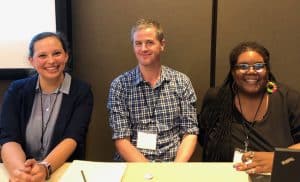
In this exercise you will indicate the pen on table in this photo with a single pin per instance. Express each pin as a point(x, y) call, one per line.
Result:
point(83, 176)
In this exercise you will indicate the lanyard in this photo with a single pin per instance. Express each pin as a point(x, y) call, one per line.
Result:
point(45, 123)
point(150, 105)
point(246, 127)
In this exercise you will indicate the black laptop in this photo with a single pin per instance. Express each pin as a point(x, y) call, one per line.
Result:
point(286, 165)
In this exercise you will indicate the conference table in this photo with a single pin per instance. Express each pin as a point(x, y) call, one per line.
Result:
point(148, 172)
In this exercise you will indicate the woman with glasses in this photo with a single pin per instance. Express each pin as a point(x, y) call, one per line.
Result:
point(250, 114)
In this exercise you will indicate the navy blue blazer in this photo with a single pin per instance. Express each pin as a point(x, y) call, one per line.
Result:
point(72, 121)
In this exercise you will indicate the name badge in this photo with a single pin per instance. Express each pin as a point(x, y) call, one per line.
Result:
point(237, 156)
point(146, 140)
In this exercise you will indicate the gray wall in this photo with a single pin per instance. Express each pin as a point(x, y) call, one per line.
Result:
point(102, 49)
point(274, 23)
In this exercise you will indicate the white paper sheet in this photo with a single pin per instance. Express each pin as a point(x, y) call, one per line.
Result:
point(3, 173)
point(94, 171)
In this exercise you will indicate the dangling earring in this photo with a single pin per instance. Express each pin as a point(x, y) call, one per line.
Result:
point(271, 87)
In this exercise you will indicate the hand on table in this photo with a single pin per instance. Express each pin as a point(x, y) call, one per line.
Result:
point(38, 171)
point(32, 171)
point(21, 174)
point(256, 162)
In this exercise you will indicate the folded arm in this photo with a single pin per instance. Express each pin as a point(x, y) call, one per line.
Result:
point(14, 157)
point(55, 158)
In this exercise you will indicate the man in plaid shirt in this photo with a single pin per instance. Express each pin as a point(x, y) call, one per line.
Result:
point(152, 107)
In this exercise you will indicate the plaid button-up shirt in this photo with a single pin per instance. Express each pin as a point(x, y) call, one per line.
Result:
point(167, 110)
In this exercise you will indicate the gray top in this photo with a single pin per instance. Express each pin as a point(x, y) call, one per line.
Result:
point(46, 106)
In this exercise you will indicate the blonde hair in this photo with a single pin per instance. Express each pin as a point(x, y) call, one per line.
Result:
point(146, 23)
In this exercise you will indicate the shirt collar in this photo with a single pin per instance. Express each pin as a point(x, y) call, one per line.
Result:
point(65, 86)
point(165, 75)
point(138, 76)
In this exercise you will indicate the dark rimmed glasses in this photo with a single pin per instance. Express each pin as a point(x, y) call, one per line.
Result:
point(258, 67)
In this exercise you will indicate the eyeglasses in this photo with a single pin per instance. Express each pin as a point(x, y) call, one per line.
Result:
point(258, 67)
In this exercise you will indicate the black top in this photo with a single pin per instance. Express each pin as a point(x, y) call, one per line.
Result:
point(280, 127)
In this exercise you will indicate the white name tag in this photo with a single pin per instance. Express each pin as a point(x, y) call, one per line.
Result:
point(146, 140)
point(237, 157)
